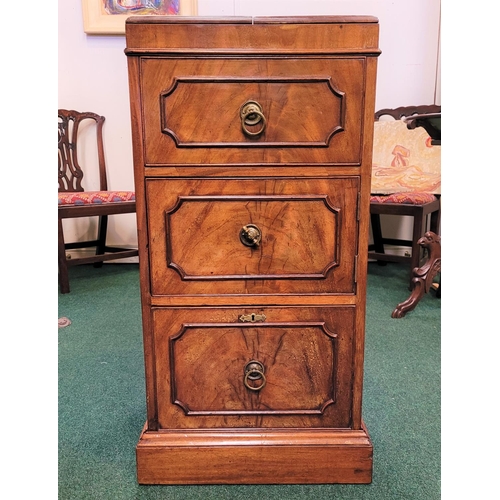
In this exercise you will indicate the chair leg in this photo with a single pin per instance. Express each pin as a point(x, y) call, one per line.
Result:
point(418, 228)
point(102, 231)
point(61, 258)
point(378, 244)
point(435, 221)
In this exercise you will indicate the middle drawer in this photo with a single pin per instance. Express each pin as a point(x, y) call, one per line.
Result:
point(244, 236)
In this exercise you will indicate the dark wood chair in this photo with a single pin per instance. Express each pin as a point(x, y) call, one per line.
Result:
point(74, 201)
point(422, 203)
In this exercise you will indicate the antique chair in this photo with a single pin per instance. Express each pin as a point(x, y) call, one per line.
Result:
point(74, 201)
point(406, 181)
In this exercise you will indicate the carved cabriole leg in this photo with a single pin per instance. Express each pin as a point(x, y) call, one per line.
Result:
point(423, 276)
point(411, 302)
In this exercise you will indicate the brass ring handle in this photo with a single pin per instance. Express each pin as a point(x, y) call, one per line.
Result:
point(250, 235)
point(254, 370)
point(251, 114)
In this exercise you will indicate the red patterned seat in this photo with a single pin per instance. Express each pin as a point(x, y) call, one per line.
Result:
point(94, 197)
point(408, 198)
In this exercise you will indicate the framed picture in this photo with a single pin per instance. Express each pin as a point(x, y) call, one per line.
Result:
point(107, 17)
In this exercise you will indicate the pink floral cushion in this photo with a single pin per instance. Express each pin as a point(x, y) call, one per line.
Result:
point(408, 198)
point(94, 197)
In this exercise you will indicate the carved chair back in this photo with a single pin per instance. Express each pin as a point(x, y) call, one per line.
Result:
point(70, 171)
point(406, 111)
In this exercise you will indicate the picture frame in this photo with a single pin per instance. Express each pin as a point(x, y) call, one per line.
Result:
point(96, 21)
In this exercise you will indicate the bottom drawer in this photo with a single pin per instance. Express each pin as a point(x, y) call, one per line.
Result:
point(264, 367)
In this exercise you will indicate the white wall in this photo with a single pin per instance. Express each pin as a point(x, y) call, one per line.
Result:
point(92, 74)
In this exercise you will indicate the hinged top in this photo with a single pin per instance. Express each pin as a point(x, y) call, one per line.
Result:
point(251, 20)
point(308, 35)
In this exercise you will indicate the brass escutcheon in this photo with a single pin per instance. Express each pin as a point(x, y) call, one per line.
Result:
point(252, 318)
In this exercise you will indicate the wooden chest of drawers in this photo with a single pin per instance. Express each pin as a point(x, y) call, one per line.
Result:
point(252, 156)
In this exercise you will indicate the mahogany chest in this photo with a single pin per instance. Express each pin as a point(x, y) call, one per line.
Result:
point(252, 143)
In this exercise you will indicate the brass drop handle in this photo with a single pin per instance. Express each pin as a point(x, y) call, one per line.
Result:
point(251, 114)
point(250, 235)
point(254, 371)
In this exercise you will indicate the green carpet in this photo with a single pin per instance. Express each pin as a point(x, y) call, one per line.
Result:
point(102, 396)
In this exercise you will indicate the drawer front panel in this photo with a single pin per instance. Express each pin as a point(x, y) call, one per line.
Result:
point(309, 110)
point(304, 235)
point(289, 367)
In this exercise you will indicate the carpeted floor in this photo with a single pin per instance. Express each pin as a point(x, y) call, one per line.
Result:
point(102, 397)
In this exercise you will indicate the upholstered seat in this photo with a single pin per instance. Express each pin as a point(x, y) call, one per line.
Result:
point(408, 198)
point(94, 197)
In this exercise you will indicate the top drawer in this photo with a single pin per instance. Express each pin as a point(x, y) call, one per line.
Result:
point(252, 110)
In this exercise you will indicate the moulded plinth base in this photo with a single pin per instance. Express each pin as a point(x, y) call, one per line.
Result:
point(242, 456)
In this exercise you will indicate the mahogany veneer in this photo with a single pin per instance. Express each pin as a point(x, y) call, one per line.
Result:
point(252, 156)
